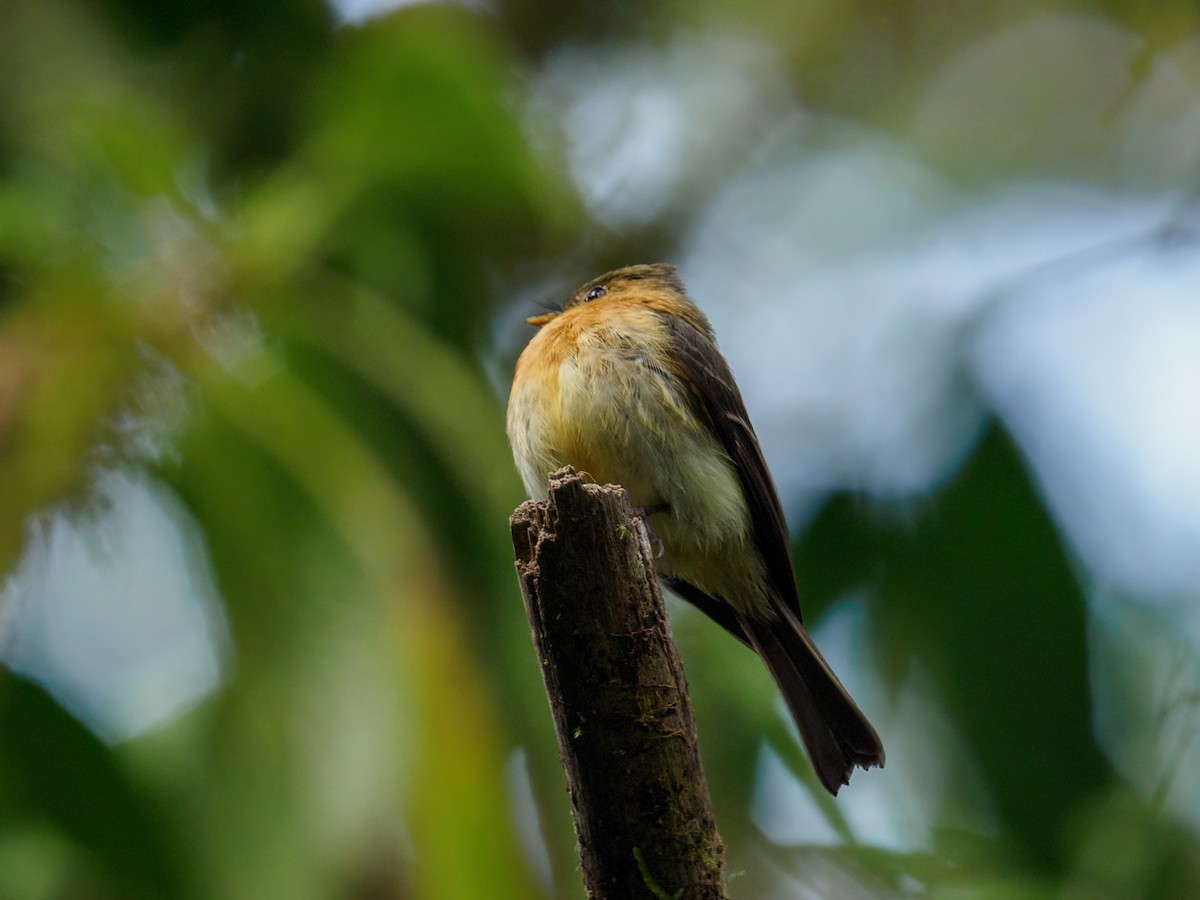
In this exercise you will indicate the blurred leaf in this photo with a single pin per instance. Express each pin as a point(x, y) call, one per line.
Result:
point(53, 769)
point(61, 376)
point(365, 334)
point(439, 428)
point(453, 802)
point(241, 73)
point(978, 587)
point(1125, 849)
point(461, 814)
point(415, 133)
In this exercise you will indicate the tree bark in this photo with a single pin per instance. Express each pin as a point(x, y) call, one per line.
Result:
point(618, 694)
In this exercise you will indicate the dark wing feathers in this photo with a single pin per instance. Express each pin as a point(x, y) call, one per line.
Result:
point(836, 733)
point(719, 402)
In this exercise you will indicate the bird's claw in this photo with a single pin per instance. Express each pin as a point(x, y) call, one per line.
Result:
point(644, 513)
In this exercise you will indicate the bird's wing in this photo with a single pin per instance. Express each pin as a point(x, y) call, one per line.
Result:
point(701, 368)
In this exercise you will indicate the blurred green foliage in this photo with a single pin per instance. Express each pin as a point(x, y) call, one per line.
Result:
point(230, 197)
point(313, 227)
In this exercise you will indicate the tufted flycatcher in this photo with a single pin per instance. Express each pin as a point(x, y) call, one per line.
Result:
point(626, 383)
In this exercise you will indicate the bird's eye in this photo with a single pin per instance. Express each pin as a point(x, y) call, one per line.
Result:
point(597, 291)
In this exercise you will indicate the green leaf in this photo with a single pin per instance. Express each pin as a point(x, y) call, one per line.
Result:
point(52, 769)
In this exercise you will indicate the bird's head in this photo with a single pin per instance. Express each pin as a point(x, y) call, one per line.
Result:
point(655, 285)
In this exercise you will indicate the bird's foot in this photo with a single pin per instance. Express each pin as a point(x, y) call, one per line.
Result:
point(644, 513)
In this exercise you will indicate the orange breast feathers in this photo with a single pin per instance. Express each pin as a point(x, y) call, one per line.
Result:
point(585, 389)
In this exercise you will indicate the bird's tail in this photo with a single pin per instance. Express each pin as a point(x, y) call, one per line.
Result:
point(837, 735)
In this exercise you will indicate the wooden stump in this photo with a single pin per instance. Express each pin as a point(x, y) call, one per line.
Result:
point(618, 694)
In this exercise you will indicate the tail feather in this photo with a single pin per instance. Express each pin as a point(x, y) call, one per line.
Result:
point(835, 732)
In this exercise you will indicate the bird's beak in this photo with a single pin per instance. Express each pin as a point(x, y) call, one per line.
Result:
point(543, 319)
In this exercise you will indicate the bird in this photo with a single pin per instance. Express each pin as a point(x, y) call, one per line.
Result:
point(625, 382)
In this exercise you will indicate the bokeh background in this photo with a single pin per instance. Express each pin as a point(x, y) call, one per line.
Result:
point(264, 270)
